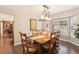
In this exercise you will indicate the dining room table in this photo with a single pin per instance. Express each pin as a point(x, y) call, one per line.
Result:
point(40, 40)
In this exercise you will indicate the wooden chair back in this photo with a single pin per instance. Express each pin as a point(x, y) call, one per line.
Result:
point(24, 41)
point(54, 37)
point(34, 33)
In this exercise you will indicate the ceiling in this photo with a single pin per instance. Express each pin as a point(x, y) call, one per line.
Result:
point(38, 8)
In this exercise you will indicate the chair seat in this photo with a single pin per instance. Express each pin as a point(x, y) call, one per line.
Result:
point(46, 46)
point(30, 41)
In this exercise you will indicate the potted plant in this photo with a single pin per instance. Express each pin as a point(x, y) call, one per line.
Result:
point(76, 33)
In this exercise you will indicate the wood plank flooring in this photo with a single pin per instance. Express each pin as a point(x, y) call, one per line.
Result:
point(7, 48)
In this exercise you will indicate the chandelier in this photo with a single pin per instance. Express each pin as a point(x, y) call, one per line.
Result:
point(46, 14)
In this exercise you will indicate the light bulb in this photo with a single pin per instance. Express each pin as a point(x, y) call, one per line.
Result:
point(42, 17)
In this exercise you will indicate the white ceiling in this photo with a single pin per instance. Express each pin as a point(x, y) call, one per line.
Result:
point(39, 8)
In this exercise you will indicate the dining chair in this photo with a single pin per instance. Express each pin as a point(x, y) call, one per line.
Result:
point(49, 46)
point(56, 41)
point(26, 44)
point(53, 36)
point(35, 32)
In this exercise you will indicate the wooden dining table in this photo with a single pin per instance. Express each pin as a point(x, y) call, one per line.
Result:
point(40, 39)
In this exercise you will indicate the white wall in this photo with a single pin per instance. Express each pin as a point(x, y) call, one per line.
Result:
point(21, 21)
point(22, 24)
point(66, 13)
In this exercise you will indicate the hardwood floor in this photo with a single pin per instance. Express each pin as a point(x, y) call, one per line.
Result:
point(65, 48)
point(68, 48)
point(7, 48)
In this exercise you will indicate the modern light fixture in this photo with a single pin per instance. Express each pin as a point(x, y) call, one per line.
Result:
point(45, 14)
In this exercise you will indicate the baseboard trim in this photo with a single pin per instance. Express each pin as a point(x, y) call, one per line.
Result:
point(71, 42)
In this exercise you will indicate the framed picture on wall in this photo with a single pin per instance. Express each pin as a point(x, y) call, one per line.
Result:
point(32, 24)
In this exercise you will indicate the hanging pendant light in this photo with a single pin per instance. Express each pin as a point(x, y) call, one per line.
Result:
point(45, 14)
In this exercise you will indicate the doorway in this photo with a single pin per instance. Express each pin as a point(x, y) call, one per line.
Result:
point(8, 30)
point(6, 34)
